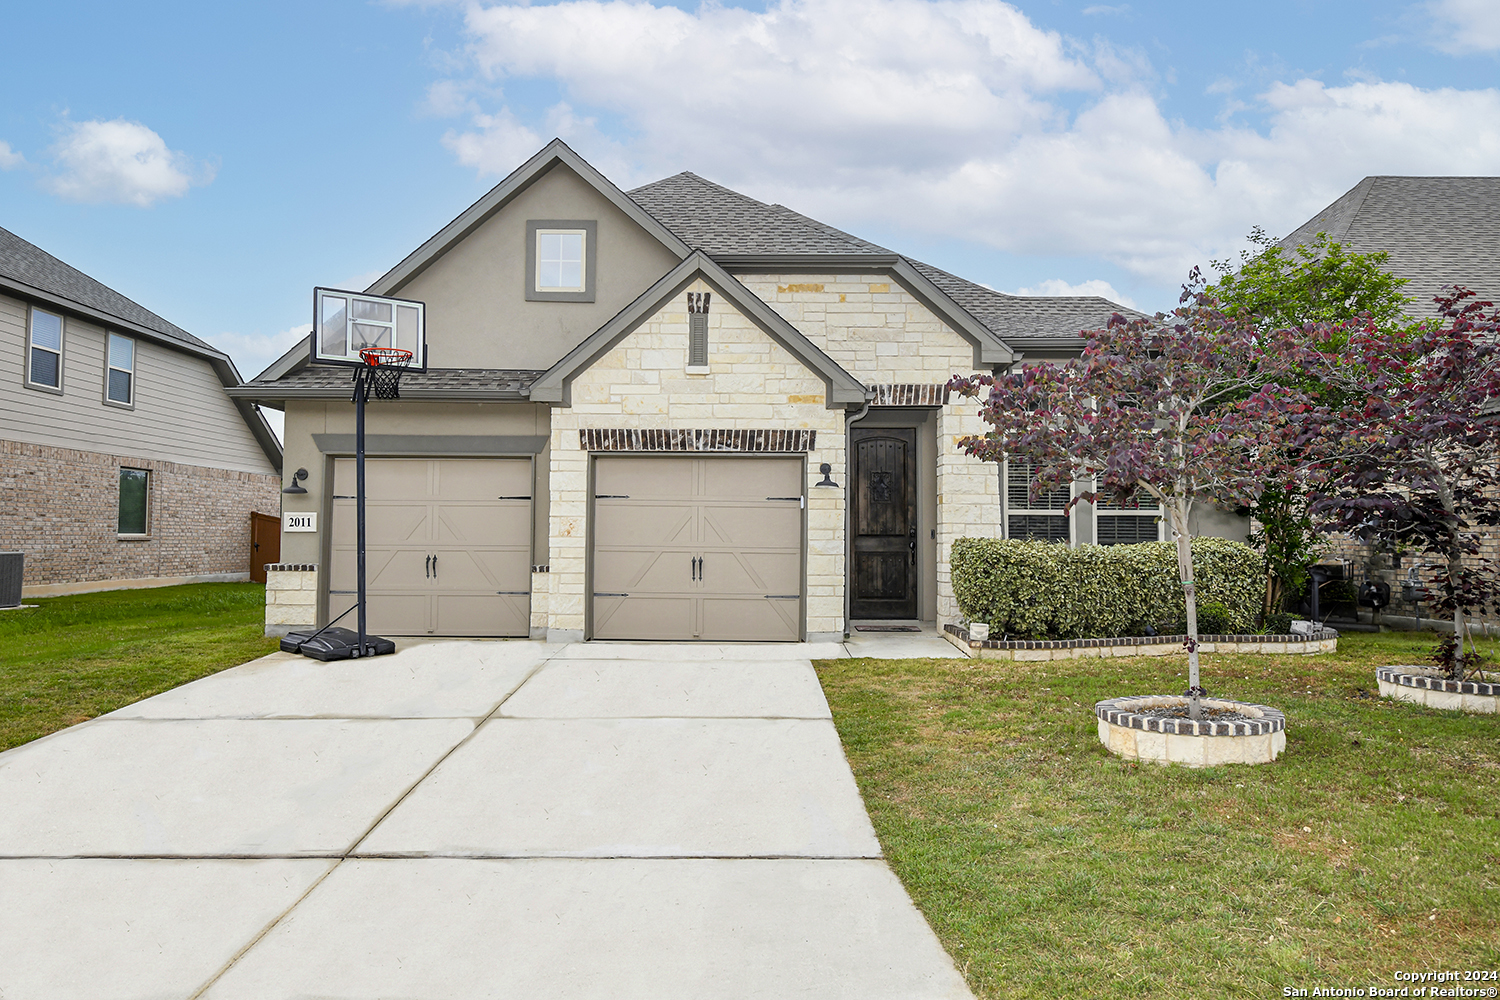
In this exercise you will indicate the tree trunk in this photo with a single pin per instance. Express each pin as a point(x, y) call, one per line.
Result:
point(1455, 581)
point(1190, 599)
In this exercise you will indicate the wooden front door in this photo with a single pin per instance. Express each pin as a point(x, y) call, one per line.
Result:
point(265, 544)
point(884, 571)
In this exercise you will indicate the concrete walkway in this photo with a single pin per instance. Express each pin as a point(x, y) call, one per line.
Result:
point(461, 820)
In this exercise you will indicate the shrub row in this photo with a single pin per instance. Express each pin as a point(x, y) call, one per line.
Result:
point(1042, 590)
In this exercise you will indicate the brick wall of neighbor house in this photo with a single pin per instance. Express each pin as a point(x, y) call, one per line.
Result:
point(1365, 562)
point(641, 383)
point(59, 506)
point(881, 334)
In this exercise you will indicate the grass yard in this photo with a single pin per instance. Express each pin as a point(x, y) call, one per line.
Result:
point(73, 658)
point(1050, 868)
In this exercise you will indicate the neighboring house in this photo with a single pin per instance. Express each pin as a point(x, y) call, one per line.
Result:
point(677, 413)
point(125, 463)
point(1438, 231)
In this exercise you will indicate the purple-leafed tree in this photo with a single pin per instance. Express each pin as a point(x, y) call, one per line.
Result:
point(1412, 454)
point(1183, 407)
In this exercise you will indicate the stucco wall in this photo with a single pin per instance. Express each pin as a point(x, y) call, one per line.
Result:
point(752, 382)
point(477, 312)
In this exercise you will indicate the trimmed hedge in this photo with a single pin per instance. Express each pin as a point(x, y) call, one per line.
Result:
point(1043, 590)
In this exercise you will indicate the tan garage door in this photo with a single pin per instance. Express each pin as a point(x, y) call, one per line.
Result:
point(697, 548)
point(447, 546)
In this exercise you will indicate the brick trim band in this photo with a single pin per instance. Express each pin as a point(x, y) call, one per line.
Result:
point(1418, 677)
point(1135, 640)
point(291, 567)
point(910, 394)
point(697, 440)
point(1119, 712)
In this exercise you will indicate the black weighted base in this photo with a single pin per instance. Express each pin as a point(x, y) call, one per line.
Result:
point(335, 644)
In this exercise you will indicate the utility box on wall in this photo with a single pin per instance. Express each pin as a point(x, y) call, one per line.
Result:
point(12, 567)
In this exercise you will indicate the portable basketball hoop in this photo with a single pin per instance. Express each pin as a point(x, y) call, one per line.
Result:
point(353, 329)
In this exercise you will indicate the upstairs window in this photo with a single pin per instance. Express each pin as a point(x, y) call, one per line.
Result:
point(560, 258)
point(119, 384)
point(44, 351)
point(133, 520)
point(1030, 515)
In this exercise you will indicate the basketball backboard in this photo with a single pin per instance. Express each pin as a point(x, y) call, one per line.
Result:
point(344, 323)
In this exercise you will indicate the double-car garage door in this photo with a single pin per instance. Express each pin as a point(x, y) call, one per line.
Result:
point(447, 545)
point(697, 548)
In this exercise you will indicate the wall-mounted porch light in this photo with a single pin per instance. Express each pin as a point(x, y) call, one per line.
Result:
point(296, 487)
point(827, 471)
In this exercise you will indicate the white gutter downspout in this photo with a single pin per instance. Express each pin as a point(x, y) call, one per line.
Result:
point(849, 511)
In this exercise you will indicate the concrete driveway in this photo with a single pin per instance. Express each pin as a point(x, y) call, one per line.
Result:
point(460, 820)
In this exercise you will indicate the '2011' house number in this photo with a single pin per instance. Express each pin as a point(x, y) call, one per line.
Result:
point(292, 521)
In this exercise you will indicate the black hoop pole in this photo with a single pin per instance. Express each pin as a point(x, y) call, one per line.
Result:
point(360, 391)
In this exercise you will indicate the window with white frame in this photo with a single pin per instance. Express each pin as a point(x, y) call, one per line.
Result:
point(560, 256)
point(1033, 515)
point(133, 518)
point(44, 350)
point(1118, 523)
point(559, 260)
point(119, 378)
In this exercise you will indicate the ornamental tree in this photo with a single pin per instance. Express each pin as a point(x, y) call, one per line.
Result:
point(1289, 289)
point(1181, 407)
point(1411, 454)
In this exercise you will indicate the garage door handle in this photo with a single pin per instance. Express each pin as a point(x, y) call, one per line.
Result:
point(600, 594)
point(428, 572)
point(434, 567)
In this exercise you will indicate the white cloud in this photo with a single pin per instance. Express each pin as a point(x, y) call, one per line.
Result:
point(951, 119)
point(9, 158)
point(1464, 26)
point(1094, 286)
point(1103, 8)
point(253, 353)
point(120, 161)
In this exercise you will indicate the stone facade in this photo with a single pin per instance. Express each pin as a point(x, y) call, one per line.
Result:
point(60, 507)
point(882, 334)
point(291, 597)
point(643, 383)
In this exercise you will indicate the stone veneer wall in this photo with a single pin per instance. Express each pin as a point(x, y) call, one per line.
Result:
point(642, 383)
point(60, 507)
point(880, 333)
point(291, 597)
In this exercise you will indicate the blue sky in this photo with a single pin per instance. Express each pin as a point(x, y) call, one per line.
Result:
point(214, 162)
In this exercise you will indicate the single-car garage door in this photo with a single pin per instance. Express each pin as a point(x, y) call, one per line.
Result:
point(697, 548)
point(447, 545)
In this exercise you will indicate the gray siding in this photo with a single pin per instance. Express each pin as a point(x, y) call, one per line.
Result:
point(181, 413)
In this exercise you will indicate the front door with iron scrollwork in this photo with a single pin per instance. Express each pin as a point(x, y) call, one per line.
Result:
point(883, 576)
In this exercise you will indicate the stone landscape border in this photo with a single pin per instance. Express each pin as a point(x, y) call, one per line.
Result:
point(1128, 733)
point(1426, 686)
point(1325, 641)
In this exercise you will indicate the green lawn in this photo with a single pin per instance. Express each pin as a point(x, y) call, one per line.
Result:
point(73, 658)
point(1050, 868)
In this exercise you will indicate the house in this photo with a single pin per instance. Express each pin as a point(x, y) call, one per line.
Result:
point(672, 413)
point(1438, 231)
point(125, 463)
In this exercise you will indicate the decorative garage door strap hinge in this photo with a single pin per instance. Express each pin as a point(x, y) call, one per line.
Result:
point(598, 593)
point(783, 597)
point(611, 496)
point(505, 593)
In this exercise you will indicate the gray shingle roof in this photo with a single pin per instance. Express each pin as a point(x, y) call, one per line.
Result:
point(1017, 317)
point(721, 222)
point(331, 378)
point(1438, 231)
point(718, 221)
point(30, 265)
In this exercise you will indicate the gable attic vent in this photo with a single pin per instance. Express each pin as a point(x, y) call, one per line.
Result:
point(697, 303)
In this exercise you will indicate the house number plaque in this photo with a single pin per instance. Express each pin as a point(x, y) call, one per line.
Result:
point(291, 521)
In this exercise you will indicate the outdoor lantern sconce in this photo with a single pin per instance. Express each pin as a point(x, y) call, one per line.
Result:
point(827, 471)
point(296, 487)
